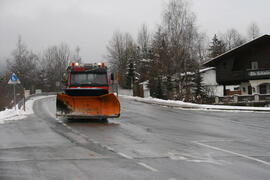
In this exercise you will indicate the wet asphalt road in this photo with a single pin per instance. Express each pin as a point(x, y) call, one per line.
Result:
point(146, 142)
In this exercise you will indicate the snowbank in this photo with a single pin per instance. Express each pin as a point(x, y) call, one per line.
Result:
point(12, 114)
point(185, 105)
point(125, 92)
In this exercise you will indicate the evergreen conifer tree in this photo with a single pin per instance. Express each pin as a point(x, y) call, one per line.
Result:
point(199, 89)
point(217, 47)
point(130, 74)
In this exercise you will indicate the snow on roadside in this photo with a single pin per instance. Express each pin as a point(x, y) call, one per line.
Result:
point(12, 114)
point(181, 104)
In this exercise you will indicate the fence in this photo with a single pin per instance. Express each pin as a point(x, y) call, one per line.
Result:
point(254, 100)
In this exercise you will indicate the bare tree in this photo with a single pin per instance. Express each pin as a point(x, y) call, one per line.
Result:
point(115, 49)
point(144, 40)
point(160, 48)
point(253, 31)
point(232, 38)
point(144, 53)
point(179, 23)
point(201, 47)
point(24, 64)
point(122, 50)
point(54, 62)
point(159, 64)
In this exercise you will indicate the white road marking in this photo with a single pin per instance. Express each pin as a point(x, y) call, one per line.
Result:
point(147, 167)
point(191, 158)
point(172, 179)
point(124, 155)
point(109, 148)
point(234, 153)
point(219, 140)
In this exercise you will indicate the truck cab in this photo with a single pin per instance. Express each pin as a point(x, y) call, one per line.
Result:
point(87, 80)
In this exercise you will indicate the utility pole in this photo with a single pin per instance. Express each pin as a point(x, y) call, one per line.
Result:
point(24, 99)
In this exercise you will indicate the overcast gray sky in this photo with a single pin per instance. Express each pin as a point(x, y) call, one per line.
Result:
point(90, 24)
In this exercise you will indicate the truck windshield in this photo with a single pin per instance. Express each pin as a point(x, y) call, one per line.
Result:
point(88, 79)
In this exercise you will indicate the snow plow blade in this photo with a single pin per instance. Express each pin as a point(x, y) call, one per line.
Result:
point(88, 107)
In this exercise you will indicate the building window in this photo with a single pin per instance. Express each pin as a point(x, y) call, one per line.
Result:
point(254, 65)
point(249, 90)
point(244, 89)
point(263, 89)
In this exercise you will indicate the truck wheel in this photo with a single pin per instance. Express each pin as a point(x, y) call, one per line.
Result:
point(104, 120)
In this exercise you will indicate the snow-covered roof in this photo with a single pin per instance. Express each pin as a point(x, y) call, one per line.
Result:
point(145, 82)
point(265, 37)
point(207, 69)
point(146, 60)
point(201, 71)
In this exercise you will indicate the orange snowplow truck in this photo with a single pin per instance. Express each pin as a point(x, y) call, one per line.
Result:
point(86, 95)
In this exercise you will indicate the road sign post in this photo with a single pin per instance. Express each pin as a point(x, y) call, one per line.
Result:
point(14, 80)
point(14, 92)
point(24, 99)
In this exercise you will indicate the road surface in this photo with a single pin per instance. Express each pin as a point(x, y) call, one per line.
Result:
point(146, 142)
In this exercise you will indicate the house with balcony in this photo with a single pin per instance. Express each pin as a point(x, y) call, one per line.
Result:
point(247, 66)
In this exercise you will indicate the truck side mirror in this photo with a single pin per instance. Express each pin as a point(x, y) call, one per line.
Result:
point(112, 76)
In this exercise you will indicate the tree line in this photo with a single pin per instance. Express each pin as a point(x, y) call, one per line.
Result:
point(36, 71)
point(167, 56)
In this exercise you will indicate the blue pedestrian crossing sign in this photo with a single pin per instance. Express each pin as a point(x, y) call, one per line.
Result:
point(13, 79)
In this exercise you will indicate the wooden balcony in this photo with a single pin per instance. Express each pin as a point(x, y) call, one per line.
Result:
point(258, 74)
point(236, 77)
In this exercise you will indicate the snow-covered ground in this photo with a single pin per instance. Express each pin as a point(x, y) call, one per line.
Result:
point(185, 105)
point(12, 114)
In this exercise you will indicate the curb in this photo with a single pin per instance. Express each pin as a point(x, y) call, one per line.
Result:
point(192, 106)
